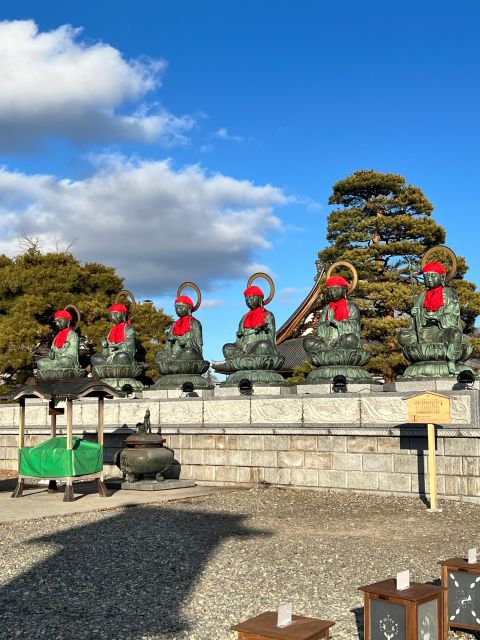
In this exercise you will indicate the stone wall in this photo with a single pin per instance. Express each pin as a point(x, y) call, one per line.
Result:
point(353, 441)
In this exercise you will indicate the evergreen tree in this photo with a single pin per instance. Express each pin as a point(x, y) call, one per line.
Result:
point(34, 285)
point(383, 227)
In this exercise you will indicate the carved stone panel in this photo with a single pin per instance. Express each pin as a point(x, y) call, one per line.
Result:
point(277, 411)
point(181, 412)
point(378, 410)
point(330, 410)
point(227, 411)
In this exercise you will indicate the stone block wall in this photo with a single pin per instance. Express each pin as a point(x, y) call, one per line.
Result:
point(353, 441)
point(393, 464)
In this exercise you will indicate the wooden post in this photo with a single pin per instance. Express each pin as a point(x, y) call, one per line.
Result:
point(432, 467)
point(68, 495)
point(53, 425)
point(101, 413)
point(102, 489)
point(21, 424)
point(69, 423)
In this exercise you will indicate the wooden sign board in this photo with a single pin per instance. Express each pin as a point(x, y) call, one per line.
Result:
point(429, 408)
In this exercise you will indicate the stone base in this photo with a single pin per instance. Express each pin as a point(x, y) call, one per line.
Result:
point(164, 394)
point(232, 392)
point(153, 485)
point(433, 369)
point(175, 381)
point(260, 378)
point(59, 374)
point(354, 375)
point(120, 383)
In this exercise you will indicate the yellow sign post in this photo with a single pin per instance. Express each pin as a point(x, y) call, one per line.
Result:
point(430, 408)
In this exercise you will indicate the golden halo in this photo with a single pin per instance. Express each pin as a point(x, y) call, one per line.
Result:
point(349, 265)
point(270, 282)
point(131, 297)
point(77, 313)
point(184, 285)
point(449, 252)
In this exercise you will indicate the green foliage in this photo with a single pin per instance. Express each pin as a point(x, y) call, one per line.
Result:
point(34, 285)
point(300, 373)
point(383, 227)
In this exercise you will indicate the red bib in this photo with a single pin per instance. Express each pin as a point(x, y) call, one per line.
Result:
point(181, 326)
point(340, 309)
point(255, 318)
point(61, 338)
point(117, 333)
point(434, 299)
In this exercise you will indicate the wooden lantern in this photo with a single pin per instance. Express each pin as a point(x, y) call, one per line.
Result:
point(462, 595)
point(264, 627)
point(415, 613)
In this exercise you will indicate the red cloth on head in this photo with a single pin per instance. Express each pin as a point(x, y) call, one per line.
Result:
point(62, 314)
point(436, 267)
point(61, 337)
point(253, 291)
point(184, 300)
point(255, 318)
point(339, 308)
point(117, 332)
point(337, 281)
point(118, 307)
point(434, 299)
point(181, 326)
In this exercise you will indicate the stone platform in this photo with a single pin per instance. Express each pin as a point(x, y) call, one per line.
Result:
point(153, 485)
point(301, 436)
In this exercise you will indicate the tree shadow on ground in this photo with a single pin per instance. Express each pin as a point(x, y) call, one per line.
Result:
point(127, 576)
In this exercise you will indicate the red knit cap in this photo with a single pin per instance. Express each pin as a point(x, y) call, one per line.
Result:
point(118, 307)
point(184, 300)
point(62, 314)
point(435, 267)
point(253, 291)
point(337, 281)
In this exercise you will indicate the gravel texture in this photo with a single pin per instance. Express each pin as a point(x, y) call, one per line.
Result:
point(193, 568)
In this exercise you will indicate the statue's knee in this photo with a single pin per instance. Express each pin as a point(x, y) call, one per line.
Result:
point(122, 358)
point(454, 335)
point(229, 350)
point(309, 343)
point(349, 341)
point(97, 359)
point(406, 337)
point(65, 362)
point(262, 348)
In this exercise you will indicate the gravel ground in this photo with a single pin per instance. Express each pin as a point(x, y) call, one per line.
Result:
point(191, 569)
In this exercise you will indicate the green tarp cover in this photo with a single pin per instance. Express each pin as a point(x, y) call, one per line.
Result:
point(52, 459)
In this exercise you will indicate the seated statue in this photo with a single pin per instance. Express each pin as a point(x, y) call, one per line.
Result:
point(119, 346)
point(116, 364)
point(255, 346)
point(62, 362)
point(435, 340)
point(339, 322)
point(256, 331)
point(336, 350)
point(181, 360)
point(184, 338)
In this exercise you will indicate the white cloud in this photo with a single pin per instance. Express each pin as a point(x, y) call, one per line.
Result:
point(223, 134)
point(158, 226)
point(53, 84)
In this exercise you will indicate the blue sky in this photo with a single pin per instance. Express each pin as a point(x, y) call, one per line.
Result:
point(259, 107)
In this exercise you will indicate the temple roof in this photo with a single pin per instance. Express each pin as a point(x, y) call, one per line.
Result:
point(62, 390)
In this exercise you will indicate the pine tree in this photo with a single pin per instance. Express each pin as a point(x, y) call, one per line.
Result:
point(383, 227)
point(34, 285)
